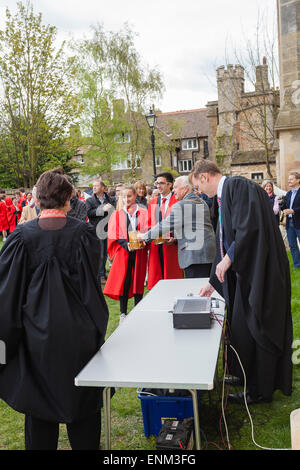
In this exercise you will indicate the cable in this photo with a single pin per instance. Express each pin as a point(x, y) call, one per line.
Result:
point(223, 410)
point(246, 405)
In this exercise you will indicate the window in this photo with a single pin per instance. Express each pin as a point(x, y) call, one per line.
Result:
point(185, 166)
point(158, 160)
point(257, 176)
point(123, 138)
point(80, 159)
point(122, 163)
point(126, 163)
point(190, 144)
point(138, 161)
point(205, 149)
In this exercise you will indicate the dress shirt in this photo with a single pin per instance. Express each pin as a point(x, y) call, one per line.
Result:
point(229, 249)
point(132, 218)
point(167, 200)
point(293, 195)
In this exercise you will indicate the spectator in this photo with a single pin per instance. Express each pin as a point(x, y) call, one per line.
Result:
point(27, 200)
point(267, 185)
point(31, 211)
point(291, 210)
point(141, 193)
point(4, 226)
point(78, 208)
point(149, 195)
point(99, 208)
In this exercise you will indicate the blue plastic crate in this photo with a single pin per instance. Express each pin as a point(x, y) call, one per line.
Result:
point(154, 408)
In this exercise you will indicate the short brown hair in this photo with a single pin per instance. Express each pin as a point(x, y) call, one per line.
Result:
point(53, 189)
point(205, 166)
point(141, 184)
point(295, 173)
point(129, 187)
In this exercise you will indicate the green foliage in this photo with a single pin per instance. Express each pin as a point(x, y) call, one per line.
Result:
point(39, 103)
point(109, 67)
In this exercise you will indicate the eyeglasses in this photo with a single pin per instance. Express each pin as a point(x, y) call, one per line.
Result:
point(159, 183)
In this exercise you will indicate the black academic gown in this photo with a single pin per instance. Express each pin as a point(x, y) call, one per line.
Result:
point(257, 289)
point(53, 319)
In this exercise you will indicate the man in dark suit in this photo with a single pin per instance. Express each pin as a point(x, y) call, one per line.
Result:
point(99, 207)
point(251, 271)
point(291, 209)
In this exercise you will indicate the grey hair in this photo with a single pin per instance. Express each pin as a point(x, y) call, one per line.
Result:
point(184, 181)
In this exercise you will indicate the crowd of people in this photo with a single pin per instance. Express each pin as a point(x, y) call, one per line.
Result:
point(65, 251)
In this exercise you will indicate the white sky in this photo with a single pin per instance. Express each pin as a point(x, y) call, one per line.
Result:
point(185, 39)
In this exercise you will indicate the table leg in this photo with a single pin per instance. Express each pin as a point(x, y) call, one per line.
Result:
point(106, 407)
point(196, 419)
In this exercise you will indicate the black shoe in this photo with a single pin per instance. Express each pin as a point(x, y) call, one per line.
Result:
point(232, 380)
point(238, 398)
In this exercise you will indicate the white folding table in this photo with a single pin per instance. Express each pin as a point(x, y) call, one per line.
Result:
point(146, 351)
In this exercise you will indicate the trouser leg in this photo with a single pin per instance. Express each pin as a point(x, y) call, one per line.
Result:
point(197, 271)
point(103, 244)
point(127, 283)
point(161, 259)
point(292, 238)
point(137, 298)
point(40, 435)
point(85, 434)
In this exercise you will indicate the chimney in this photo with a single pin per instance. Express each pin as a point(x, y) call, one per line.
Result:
point(262, 77)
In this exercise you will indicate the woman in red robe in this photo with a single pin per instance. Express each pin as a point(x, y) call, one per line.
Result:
point(13, 213)
point(3, 216)
point(128, 271)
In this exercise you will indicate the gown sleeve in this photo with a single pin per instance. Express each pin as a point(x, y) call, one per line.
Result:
point(88, 260)
point(13, 285)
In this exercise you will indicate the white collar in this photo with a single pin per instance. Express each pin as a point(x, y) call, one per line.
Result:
point(220, 186)
point(134, 214)
point(168, 197)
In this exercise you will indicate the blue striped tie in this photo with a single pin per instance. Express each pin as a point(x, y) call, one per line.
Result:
point(220, 228)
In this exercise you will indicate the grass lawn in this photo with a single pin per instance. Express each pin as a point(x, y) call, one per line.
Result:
point(271, 421)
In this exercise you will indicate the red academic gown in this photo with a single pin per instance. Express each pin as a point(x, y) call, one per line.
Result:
point(170, 252)
point(13, 217)
point(117, 230)
point(3, 217)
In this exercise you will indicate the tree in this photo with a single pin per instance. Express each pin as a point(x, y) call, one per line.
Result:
point(39, 103)
point(115, 88)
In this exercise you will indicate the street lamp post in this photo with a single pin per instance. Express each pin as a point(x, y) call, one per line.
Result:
point(151, 120)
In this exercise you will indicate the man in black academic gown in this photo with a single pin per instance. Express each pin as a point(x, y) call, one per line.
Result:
point(251, 271)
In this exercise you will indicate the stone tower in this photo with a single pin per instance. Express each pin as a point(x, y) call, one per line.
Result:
point(288, 121)
point(231, 83)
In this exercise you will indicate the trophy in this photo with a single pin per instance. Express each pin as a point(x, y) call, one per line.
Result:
point(134, 242)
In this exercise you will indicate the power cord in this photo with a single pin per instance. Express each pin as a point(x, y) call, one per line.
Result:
point(246, 404)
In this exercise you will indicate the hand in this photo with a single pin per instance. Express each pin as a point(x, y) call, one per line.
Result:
point(206, 291)
point(288, 211)
point(107, 207)
point(223, 267)
point(170, 241)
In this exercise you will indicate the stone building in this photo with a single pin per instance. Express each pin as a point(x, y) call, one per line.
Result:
point(288, 122)
point(181, 138)
point(188, 132)
point(241, 124)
